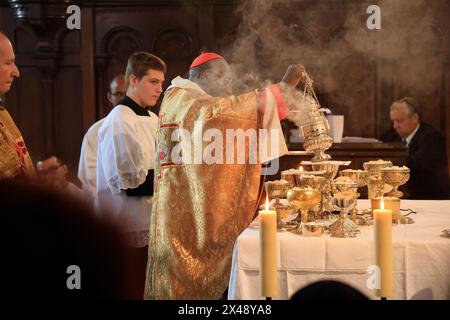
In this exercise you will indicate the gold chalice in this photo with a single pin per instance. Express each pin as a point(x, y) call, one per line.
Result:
point(331, 169)
point(361, 178)
point(303, 199)
point(343, 184)
point(395, 177)
point(313, 181)
point(377, 187)
point(289, 176)
point(316, 182)
point(346, 184)
point(277, 190)
point(374, 167)
point(344, 227)
point(300, 181)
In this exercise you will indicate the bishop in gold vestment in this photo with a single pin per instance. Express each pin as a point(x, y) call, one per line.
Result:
point(199, 210)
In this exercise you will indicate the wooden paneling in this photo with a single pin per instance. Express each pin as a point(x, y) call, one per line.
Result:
point(446, 104)
point(68, 114)
point(88, 74)
point(172, 34)
point(32, 121)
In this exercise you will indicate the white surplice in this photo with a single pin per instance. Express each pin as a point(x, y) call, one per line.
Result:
point(126, 151)
point(87, 167)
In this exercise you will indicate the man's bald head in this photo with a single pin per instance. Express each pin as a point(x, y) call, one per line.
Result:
point(405, 116)
point(214, 77)
point(8, 68)
point(117, 89)
point(2, 36)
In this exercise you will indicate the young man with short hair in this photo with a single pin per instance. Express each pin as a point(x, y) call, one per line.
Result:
point(126, 153)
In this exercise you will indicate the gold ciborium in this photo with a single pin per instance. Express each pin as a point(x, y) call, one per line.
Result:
point(344, 227)
point(395, 177)
point(316, 182)
point(303, 199)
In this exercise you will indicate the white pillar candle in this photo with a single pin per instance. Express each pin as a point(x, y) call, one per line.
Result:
point(382, 221)
point(268, 247)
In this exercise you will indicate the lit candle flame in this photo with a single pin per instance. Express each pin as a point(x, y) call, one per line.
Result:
point(267, 202)
point(382, 204)
point(301, 168)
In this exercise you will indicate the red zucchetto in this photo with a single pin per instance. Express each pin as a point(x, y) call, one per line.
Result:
point(204, 57)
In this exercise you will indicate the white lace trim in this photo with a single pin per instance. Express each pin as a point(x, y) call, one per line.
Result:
point(127, 180)
point(137, 239)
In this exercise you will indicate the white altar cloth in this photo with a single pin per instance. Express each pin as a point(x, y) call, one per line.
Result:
point(421, 264)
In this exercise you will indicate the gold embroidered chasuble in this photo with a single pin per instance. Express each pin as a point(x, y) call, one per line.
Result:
point(14, 157)
point(199, 209)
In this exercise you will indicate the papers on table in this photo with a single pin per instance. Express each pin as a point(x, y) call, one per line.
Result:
point(335, 162)
point(359, 140)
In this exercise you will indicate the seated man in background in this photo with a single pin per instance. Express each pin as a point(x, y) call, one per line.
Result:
point(427, 157)
point(53, 172)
